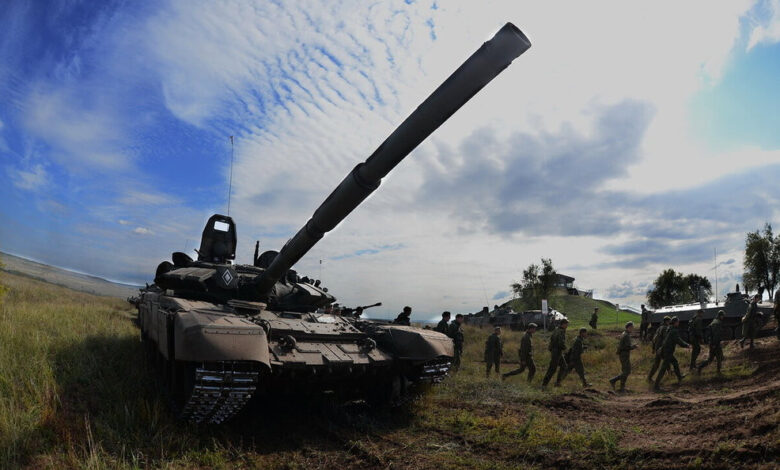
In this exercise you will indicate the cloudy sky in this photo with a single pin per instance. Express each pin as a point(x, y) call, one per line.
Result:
point(632, 137)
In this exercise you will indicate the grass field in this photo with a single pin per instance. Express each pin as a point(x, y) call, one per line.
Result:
point(75, 393)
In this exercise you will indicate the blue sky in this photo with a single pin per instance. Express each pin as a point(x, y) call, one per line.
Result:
point(613, 149)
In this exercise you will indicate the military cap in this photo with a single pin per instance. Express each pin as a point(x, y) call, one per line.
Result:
point(674, 319)
point(721, 313)
point(629, 323)
point(668, 318)
point(583, 330)
point(532, 325)
point(565, 320)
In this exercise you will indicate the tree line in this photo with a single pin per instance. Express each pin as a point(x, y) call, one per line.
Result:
point(761, 273)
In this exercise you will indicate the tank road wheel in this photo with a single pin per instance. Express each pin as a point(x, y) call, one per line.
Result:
point(390, 392)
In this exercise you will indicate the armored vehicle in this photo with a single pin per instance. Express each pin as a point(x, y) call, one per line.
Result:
point(221, 333)
point(734, 305)
point(506, 317)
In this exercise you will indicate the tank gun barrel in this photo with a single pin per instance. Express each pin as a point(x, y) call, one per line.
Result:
point(476, 72)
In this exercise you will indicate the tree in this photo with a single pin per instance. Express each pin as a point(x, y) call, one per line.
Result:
point(672, 288)
point(538, 282)
point(762, 261)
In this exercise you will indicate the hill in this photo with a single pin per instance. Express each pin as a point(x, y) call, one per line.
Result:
point(63, 277)
point(579, 309)
point(76, 392)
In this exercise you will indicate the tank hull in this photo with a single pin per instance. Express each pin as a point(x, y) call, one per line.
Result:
point(213, 358)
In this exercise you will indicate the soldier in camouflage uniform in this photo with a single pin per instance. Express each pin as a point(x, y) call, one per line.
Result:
point(671, 341)
point(750, 322)
point(594, 319)
point(716, 335)
point(526, 355)
point(443, 326)
point(494, 349)
point(624, 353)
point(574, 356)
point(456, 333)
point(644, 323)
point(696, 336)
point(557, 360)
point(658, 340)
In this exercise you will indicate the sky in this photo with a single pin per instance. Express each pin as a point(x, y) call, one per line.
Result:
point(632, 137)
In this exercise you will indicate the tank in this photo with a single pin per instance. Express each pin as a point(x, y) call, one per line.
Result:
point(734, 305)
point(220, 333)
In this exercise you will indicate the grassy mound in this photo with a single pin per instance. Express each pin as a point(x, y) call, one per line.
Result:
point(579, 309)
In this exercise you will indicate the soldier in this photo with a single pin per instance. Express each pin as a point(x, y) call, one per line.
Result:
point(456, 333)
point(574, 356)
point(358, 312)
point(776, 312)
point(658, 340)
point(696, 336)
point(403, 317)
point(750, 322)
point(493, 352)
point(644, 323)
point(443, 325)
point(624, 353)
point(671, 341)
point(594, 318)
point(526, 354)
point(716, 335)
point(557, 361)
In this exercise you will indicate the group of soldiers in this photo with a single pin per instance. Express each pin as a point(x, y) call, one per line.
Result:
point(664, 343)
point(561, 360)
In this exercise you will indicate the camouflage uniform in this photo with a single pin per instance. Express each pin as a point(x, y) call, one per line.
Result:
point(658, 340)
point(671, 341)
point(456, 333)
point(442, 327)
point(716, 351)
point(574, 359)
point(624, 353)
point(644, 324)
point(594, 320)
point(696, 336)
point(750, 323)
point(526, 353)
point(493, 352)
point(557, 361)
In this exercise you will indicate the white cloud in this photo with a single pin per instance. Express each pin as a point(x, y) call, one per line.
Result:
point(766, 30)
point(30, 179)
point(142, 231)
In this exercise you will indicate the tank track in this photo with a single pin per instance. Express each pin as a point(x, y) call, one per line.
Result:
point(434, 371)
point(220, 391)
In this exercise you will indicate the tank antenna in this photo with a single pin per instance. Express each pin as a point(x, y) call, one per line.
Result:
point(715, 251)
point(230, 184)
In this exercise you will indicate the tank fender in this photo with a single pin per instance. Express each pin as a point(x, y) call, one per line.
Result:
point(414, 343)
point(200, 337)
